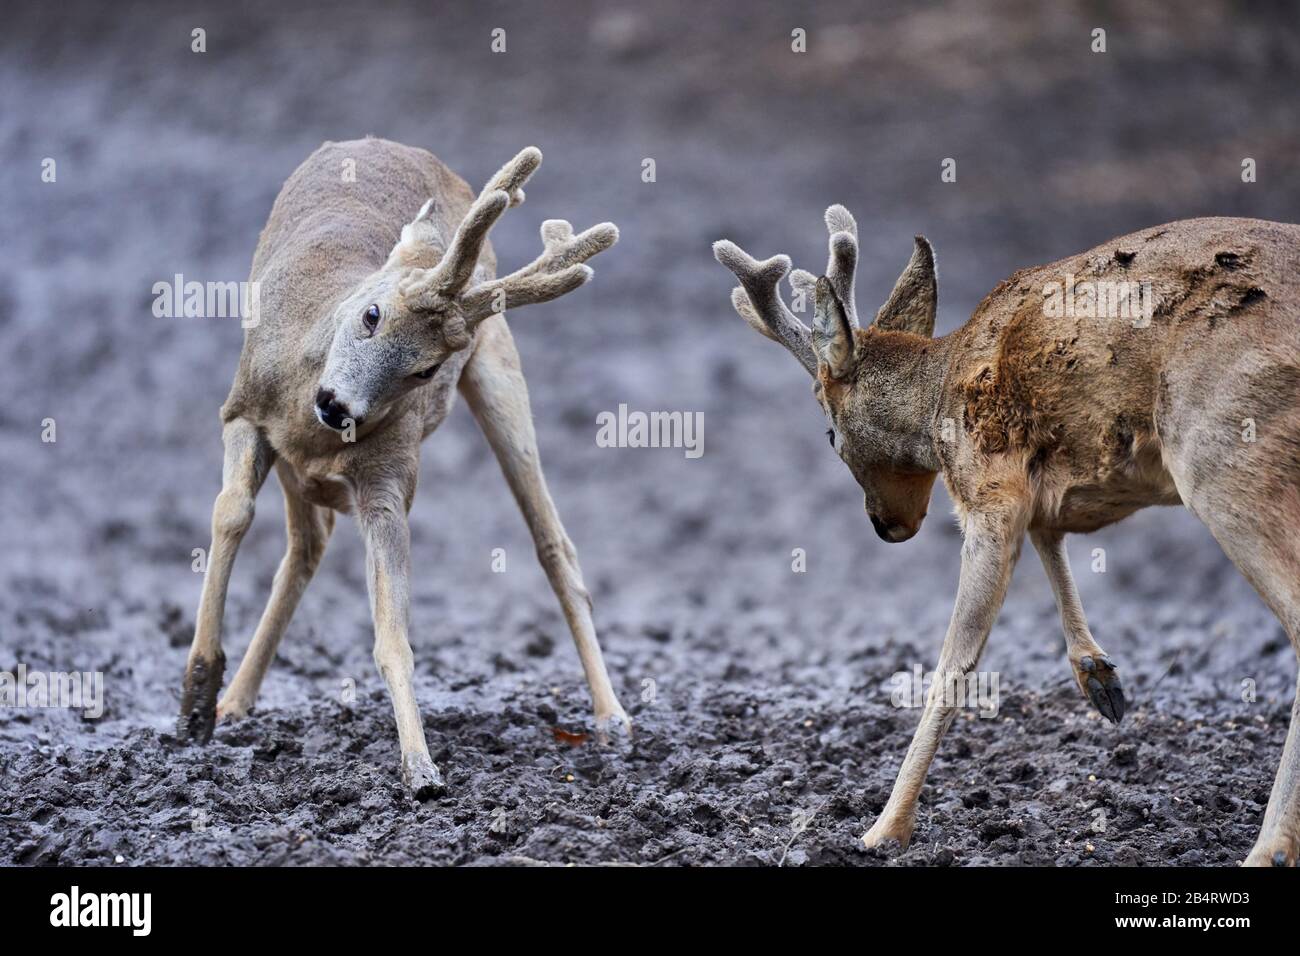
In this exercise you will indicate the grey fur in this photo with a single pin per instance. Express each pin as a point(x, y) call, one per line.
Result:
point(331, 250)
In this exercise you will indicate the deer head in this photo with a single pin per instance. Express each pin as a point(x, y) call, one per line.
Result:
point(400, 323)
point(874, 384)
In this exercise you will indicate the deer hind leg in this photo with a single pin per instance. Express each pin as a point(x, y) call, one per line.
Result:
point(248, 458)
point(494, 389)
point(1094, 671)
point(308, 530)
point(1272, 565)
point(1248, 494)
point(1279, 838)
point(1259, 533)
point(988, 556)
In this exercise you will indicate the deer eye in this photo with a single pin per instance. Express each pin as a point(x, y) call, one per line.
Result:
point(830, 434)
point(370, 318)
point(428, 372)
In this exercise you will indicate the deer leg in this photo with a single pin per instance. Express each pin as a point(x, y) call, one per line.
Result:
point(1094, 671)
point(988, 555)
point(1279, 838)
point(494, 389)
point(1272, 565)
point(382, 515)
point(308, 528)
point(248, 458)
point(1248, 494)
point(1261, 543)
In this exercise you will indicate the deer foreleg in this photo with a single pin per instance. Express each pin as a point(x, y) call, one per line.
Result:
point(988, 556)
point(248, 458)
point(382, 516)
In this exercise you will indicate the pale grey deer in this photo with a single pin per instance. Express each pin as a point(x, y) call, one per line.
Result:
point(367, 328)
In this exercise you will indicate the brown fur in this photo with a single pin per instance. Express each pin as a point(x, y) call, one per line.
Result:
point(1080, 398)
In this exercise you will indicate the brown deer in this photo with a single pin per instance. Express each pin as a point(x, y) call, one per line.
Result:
point(1046, 416)
point(366, 329)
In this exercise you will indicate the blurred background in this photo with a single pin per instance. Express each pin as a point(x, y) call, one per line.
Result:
point(168, 162)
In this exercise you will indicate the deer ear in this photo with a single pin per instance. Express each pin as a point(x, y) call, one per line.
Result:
point(422, 243)
point(912, 304)
point(833, 341)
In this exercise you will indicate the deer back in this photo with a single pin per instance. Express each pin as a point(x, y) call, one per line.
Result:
point(1055, 369)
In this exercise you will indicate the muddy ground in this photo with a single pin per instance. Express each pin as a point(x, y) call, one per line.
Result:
point(765, 731)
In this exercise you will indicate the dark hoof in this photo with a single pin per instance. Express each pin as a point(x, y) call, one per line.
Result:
point(1104, 687)
point(422, 777)
point(199, 699)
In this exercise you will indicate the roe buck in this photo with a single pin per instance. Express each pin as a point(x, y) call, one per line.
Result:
point(367, 328)
point(1057, 425)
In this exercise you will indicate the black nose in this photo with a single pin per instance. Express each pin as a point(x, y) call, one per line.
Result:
point(893, 533)
point(333, 413)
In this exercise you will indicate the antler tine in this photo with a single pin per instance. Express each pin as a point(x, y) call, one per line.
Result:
point(458, 264)
point(839, 219)
point(759, 282)
point(804, 284)
point(561, 248)
point(511, 177)
point(557, 271)
point(491, 298)
point(745, 309)
point(841, 269)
